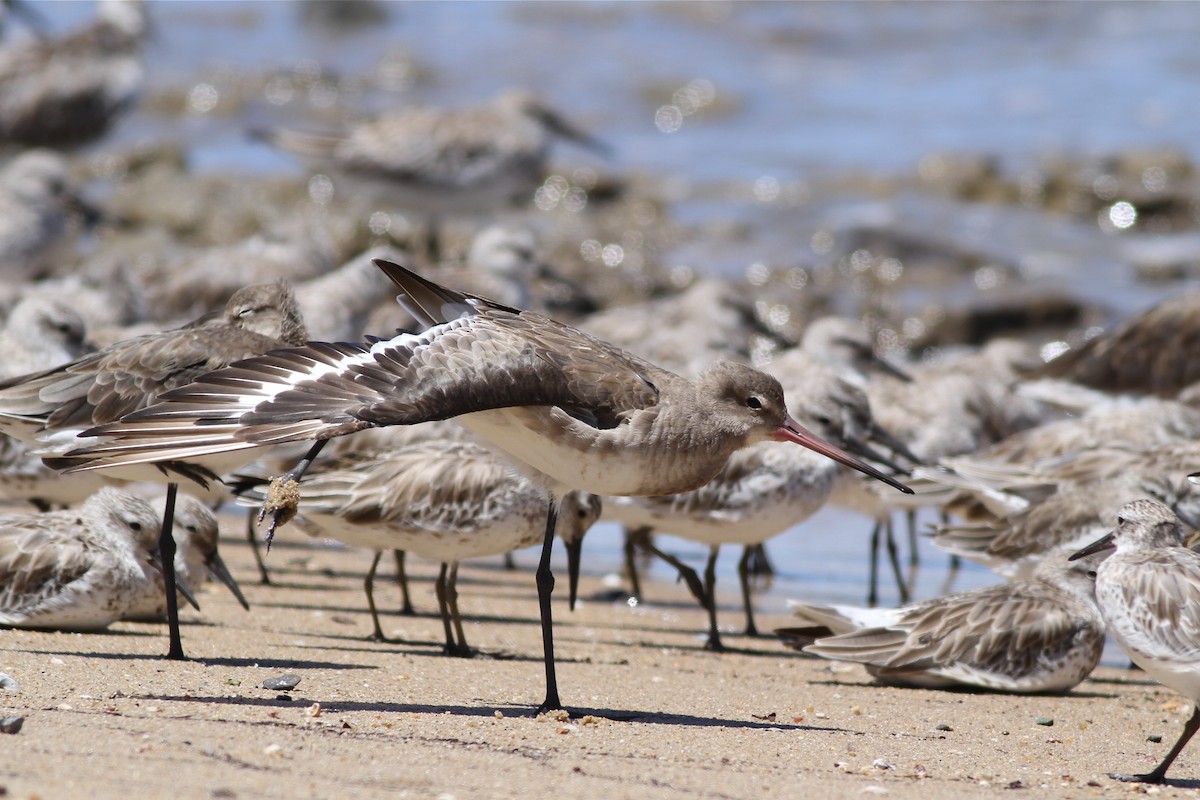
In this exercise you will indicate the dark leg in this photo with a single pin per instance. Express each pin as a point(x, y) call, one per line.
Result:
point(632, 541)
point(894, 558)
point(406, 606)
point(462, 650)
point(433, 241)
point(694, 584)
point(760, 564)
point(510, 562)
point(166, 552)
point(263, 577)
point(369, 588)
point(1160, 772)
point(873, 579)
point(710, 592)
point(440, 589)
point(545, 587)
point(744, 568)
point(913, 556)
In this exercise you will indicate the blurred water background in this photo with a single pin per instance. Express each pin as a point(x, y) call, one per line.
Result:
point(775, 133)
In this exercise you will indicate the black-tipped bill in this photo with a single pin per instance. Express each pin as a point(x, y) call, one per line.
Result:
point(1105, 542)
point(792, 431)
point(216, 568)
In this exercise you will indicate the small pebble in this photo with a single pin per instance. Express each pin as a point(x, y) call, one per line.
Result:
point(284, 683)
point(941, 726)
point(1155, 737)
point(11, 724)
point(287, 698)
point(8, 684)
point(1047, 721)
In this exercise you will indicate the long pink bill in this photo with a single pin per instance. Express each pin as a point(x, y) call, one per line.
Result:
point(792, 431)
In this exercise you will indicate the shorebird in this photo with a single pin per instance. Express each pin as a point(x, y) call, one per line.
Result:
point(1072, 505)
point(996, 481)
point(1044, 634)
point(1147, 354)
point(37, 205)
point(77, 569)
point(196, 559)
point(763, 490)
point(437, 161)
point(68, 91)
point(956, 406)
point(444, 500)
point(51, 407)
point(1149, 593)
point(40, 333)
point(574, 411)
point(845, 344)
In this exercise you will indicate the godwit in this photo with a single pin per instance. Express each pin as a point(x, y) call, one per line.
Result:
point(437, 161)
point(575, 411)
point(1150, 353)
point(68, 91)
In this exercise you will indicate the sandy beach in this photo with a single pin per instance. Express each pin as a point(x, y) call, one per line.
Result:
point(654, 715)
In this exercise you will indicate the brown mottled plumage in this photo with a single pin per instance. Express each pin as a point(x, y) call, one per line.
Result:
point(1149, 594)
point(444, 500)
point(50, 407)
point(77, 569)
point(1153, 352)
point(1040, 635)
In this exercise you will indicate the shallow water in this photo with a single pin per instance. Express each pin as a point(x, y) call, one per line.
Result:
point(771, 101)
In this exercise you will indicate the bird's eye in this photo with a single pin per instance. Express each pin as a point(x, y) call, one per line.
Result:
point(245, 312)
point(137, 526)
point(754, 402)
point(1091, 573)
point(825, 420)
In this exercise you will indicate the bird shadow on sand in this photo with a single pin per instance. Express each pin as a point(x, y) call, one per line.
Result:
point(330, 707)
point(697, 646)
point(1136, 678)
point(867, 683)
point(263, 663)
point(433, 649)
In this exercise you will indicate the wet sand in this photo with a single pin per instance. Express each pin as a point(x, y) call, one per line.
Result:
point(655, 716)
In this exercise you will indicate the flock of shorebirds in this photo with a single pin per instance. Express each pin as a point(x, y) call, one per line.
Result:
point(481, 427)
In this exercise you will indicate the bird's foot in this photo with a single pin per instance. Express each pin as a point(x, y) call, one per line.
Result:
point(459, 651)
point(282, 502)
point(1149, 777)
